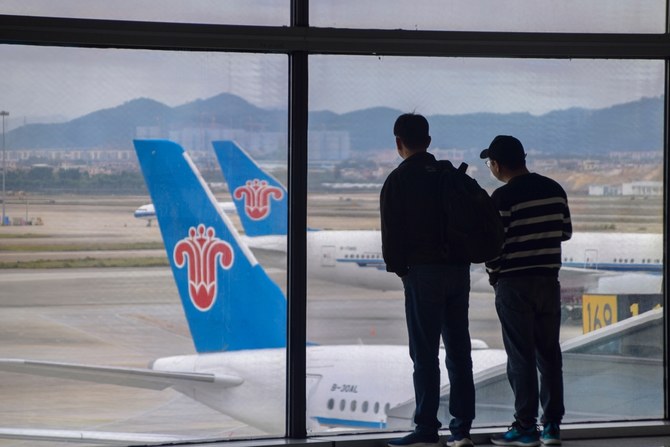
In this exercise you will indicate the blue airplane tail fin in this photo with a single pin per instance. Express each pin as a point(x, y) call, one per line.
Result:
point(229, 301)
point(261, 200)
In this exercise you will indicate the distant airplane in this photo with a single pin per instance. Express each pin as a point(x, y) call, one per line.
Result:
point(145, 212)
point(237, 319)
point(148, 213)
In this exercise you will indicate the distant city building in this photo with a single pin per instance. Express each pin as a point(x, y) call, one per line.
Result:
point(324, 145)
point(454, 155)
point(200, 139)
point(604, 190)
point(79, 155)
point(543, 164)
point(329, 145)
point(642, 189)
point(648, 188)
point(637, 155)
point(147, 132)
point(590, 165)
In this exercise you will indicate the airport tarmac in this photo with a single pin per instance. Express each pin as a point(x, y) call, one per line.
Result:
point(128, 317)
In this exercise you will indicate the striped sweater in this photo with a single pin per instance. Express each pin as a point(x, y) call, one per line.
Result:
point(535, 213)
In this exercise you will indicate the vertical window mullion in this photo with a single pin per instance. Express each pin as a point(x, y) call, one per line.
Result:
point(296, 402)
point(666, 211)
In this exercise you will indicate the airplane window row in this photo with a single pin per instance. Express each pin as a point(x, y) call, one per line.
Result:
point(353, 405)
point(627, 261)
point(620, 261)
point(366, 256)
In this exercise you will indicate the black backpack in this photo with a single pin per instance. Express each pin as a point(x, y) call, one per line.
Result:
point(472, 229)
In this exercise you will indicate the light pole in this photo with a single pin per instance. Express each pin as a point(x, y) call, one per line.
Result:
point(4, 164)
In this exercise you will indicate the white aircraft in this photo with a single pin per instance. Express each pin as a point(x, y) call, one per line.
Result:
point(592, 262)
point(237, 318)
point(148, 213)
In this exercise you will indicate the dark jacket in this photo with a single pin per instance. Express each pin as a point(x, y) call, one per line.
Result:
point(410, 218)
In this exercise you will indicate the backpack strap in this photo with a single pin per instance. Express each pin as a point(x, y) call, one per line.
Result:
point(446, 165)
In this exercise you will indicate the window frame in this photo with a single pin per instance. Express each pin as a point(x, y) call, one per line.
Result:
point(298, 41)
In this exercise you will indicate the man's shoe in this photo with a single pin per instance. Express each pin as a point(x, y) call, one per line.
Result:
point(551, 434)
point(518, 436)
point(459, 441)
point(415, 439)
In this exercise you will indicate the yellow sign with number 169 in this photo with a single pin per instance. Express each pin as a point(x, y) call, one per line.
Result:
point(598, 311)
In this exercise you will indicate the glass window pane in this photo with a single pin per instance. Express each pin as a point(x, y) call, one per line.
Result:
point(239, 12)
point(98, 249)
point(595, 126)
point(580, 16)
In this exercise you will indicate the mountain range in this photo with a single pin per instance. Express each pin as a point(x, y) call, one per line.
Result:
point(632, 126)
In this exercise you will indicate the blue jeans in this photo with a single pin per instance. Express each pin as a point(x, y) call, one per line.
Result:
point(436, 303)
point(529, 309)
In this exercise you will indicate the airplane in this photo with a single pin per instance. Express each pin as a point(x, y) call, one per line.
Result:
point(348, 256)
point(237, 319)
point(592, 262)
point(145, 212)
point(260, 199)
point(148, 213)
point(351, 257)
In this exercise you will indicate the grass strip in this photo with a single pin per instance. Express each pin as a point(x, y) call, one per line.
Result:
point(87, 263)
point(25, 248)
point(24, 236)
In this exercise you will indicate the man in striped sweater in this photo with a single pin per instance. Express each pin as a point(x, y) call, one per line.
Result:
point(536, 216)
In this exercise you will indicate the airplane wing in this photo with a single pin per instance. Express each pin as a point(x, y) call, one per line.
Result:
point(268, 243)
point(133, 377)
point(487, 364)
point(580, 278)
point(604, 281)
point(270, 251)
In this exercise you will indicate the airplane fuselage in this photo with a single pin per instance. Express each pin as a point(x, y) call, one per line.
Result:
point(339, 390)
point(355, 258)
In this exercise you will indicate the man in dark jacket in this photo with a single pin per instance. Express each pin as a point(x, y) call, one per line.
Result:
point(436, 287)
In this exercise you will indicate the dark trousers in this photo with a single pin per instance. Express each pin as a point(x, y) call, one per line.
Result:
point(436, 304)
point(529, 309)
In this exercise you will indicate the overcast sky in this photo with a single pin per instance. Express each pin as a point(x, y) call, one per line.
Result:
point(71, 82)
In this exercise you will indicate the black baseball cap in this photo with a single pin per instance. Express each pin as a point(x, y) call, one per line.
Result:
point(505, 149)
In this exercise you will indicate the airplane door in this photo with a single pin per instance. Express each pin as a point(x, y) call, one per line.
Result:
point(591, 258)
point(328, 256)
point(312, 381)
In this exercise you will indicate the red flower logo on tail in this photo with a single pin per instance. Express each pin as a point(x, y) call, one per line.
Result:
point(256, 194)
point(201, 250)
